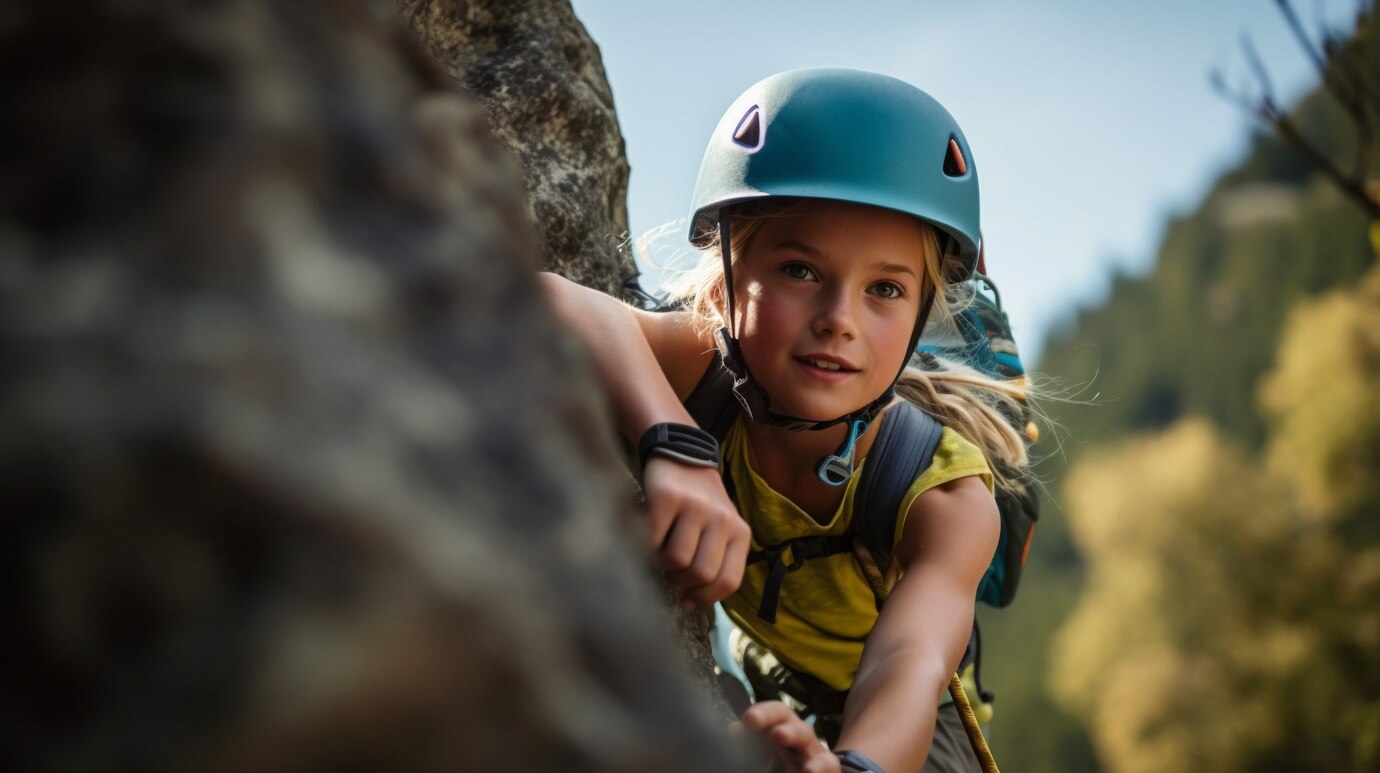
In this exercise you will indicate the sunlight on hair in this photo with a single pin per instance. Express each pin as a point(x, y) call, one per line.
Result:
point(661, 254)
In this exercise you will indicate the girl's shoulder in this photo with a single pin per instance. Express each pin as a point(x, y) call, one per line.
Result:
point(682, 351)
point(954, 457)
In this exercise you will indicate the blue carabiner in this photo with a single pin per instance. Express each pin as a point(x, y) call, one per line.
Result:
point(836, 468)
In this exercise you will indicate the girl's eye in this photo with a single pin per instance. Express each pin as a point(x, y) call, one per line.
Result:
point(887, 290)
point(797, 271)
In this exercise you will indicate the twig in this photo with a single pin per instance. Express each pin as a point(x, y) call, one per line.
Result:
point(1342, 67)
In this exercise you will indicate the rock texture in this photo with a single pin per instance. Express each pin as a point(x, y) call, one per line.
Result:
point(296, 471)
point(541, 79)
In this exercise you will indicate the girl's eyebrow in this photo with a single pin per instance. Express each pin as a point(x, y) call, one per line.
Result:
point(890, 268)
point(791, 244)
point(895, 268)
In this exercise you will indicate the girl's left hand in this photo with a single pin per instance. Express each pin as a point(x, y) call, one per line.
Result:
point(793, 741)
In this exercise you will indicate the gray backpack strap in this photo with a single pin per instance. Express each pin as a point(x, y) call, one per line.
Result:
point(712, 404)
point(904, 448)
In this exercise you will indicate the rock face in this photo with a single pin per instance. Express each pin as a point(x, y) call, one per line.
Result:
point(541, 79)
point(297, 472)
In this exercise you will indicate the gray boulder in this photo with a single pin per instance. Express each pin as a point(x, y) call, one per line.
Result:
point(541, 79)
point(297, 471)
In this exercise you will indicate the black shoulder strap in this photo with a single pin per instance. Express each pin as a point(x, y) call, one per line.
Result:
point(904, 448)
point(712, 404)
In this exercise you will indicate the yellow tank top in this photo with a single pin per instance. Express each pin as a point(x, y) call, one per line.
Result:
point(826, 608)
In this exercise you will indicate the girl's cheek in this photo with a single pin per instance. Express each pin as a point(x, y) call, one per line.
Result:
point(895, 345)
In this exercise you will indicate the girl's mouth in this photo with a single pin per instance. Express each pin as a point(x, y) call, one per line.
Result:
point(828, 369)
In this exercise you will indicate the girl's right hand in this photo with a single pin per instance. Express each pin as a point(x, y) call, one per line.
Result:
point(699, 539)
point(793, 741)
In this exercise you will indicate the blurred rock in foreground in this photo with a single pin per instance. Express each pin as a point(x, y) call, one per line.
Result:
point(296, 472)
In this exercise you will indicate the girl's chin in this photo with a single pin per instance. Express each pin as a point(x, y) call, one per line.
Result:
point(816, 401)
point(815, 410)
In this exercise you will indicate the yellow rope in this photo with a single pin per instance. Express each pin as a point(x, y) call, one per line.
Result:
point(869, 568)
point(970, 724)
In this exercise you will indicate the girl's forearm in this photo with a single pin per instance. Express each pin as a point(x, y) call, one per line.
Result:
point(921, 634)
point(640, 395)
point(693, 528)
point(891, 709)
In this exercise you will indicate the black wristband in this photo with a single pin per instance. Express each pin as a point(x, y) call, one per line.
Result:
point(856, 762)
point(691, 445)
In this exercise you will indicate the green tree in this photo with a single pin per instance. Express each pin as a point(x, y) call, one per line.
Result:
point(1325, 443)
point(1232, 609)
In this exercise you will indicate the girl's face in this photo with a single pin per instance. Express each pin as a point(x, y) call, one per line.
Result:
point(827, 298)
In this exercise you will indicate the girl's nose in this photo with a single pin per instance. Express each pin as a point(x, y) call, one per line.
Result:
point(836, 316)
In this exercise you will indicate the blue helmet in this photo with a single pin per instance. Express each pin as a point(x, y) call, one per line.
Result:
point(847, 135)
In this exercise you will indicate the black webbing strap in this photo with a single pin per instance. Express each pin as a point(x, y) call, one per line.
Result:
point(904, 448)
point(788, 556)
point(973, 655)
point(690, 445)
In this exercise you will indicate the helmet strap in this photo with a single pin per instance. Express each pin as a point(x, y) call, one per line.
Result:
point(925, 305)
point(726, 252)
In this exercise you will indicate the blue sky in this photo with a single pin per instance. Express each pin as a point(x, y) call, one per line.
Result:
point(1090, 122)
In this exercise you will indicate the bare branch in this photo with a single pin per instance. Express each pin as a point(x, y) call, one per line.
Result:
point(1353, 187)
point(1349, 82)
point(1238, 98)
point(1339, 80)
point(1306, 43)
point(1266, 105)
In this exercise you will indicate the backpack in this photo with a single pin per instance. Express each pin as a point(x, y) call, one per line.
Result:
point(985, 343)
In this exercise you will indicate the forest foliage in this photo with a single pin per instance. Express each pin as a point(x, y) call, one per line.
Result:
point(1204, 590)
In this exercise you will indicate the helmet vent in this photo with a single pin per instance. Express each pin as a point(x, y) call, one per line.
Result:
point(954, 163)
point(749, 131)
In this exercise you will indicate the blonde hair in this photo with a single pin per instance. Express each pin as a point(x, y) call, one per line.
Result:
point(960, 397)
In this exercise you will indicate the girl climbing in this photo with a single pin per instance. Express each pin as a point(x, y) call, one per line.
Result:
point(835, 208)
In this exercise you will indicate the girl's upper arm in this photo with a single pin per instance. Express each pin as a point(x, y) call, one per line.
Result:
point(950, 535)
point(955, 525)
point(682, 353)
